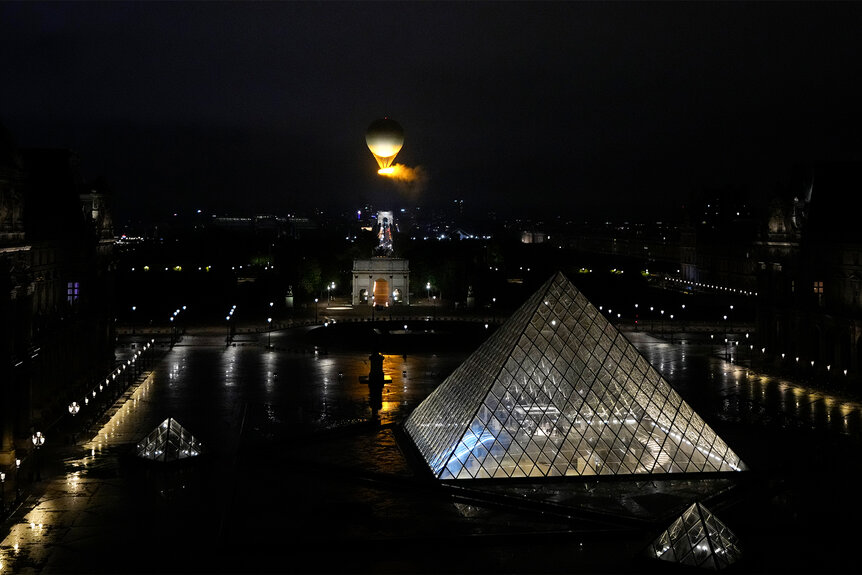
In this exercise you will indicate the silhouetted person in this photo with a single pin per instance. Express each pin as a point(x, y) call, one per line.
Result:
point(376, 381)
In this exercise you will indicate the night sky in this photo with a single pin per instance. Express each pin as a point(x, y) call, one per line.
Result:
point(566, 107)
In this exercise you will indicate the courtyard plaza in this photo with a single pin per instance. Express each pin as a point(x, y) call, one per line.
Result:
point(297, 476)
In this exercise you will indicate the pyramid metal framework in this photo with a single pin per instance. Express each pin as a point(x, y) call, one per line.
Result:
point(558, 391)
point(699, 539)
point(170, 441)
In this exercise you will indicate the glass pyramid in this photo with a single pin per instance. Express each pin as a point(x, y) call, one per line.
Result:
point(170, 441)
point(697, 538)
point(559, 391)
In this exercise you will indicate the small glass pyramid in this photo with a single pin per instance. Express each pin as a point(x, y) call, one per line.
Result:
point(697, 538)
point(559, 391)
point(170, 441)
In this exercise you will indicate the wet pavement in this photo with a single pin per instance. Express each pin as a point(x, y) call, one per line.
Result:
point(296, 477)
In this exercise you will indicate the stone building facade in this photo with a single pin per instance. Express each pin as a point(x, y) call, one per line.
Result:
point(56, 289)
point(382, 281)
point(809, 256)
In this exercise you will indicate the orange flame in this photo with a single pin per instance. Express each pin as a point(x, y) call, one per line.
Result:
point(400, 172)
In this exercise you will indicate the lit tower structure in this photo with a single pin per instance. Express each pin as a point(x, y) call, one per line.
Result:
point(383, 279)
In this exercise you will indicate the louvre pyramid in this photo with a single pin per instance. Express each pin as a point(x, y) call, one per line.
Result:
point(170, 441)
point(559, 391)
point(697, 538)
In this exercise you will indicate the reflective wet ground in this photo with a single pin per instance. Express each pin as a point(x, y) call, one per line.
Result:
point(296, 478)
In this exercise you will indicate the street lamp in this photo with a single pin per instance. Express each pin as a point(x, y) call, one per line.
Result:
point(74, 408)
point(227, 337)
point(315, 311)
point(38, 441)
point(428, 290)
point(2, 492)
point(269, 332)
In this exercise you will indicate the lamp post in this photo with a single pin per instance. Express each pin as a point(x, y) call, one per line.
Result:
point(133, 319)
point(38, 441)
point(428, 290)
point(730, 322)
point(2, 492)
point(74, 408)
point(17, 483)
point(315, 311)
point(269, 333)
point(227, 337)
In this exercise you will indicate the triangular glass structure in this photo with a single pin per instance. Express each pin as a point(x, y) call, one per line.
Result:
point(697, 538)
point(170, 441)
point(559, 391)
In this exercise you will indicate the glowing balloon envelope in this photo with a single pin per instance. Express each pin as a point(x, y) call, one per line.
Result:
point(384, 138)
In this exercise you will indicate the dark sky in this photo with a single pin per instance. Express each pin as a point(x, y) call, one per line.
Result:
point(263, 106)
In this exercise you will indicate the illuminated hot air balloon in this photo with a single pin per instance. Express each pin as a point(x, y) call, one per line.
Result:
point(384, 138)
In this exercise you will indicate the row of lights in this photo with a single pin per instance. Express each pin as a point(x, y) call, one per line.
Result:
point(179, 268)
point(715, 287)
point(176, 313)
point(75, 407)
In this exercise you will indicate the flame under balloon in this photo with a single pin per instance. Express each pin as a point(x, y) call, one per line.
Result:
point(384, 138)
point(401, 172)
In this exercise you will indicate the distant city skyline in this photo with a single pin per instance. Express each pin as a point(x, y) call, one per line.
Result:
point(560, 106)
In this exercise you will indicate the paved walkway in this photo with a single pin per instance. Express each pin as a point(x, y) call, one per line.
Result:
point(80, 491)
point(87, 504)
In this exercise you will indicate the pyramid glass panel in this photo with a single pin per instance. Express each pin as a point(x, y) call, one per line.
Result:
point(697, 538)
point(535, 400)
point(170, 441)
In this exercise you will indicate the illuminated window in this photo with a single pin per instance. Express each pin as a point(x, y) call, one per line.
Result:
point(818, 291)
point(72, 292)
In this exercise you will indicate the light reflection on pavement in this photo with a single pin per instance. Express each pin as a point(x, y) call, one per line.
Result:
point(209, 387)
point(747, 395)
point(71, 511)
